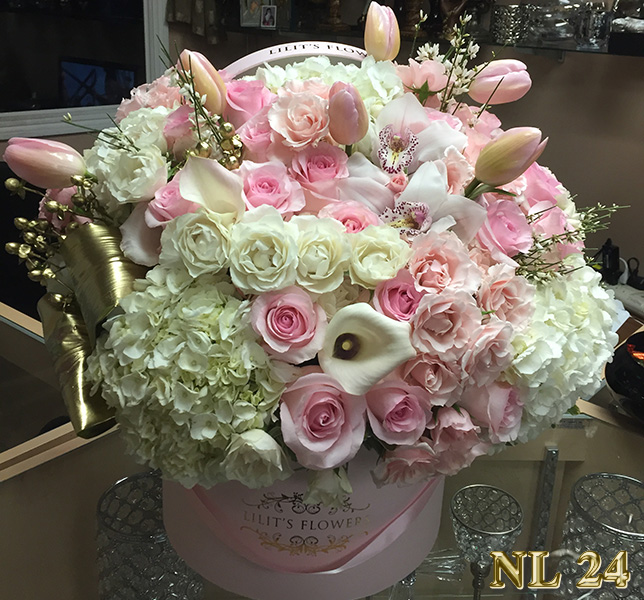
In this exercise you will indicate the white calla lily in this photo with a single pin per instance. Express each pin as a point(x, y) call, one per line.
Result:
point(207, 183)
point(361, 346)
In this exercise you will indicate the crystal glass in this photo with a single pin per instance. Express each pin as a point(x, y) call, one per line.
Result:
point(605, 514)
point(135, 558)
point(485, 518)
point(594, 26)
point(509, 23)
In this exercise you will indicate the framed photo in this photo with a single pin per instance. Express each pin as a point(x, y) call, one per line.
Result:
point(250, 13)
point(269, 16)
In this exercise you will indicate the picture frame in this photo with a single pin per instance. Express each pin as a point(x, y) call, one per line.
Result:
point(250, 13)
point(268, 16)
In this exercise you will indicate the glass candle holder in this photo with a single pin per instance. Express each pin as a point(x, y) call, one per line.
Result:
point(605, 515)
point(135, 558)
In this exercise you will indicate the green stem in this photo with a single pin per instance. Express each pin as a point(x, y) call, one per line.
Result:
point(349, 149)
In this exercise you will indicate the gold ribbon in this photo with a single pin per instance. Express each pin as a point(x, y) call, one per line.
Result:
point(100, 273)
point(68, 344)
point(101, 276)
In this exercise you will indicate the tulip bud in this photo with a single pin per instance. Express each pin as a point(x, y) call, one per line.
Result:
point(381, 33)
point(500, 81)
point(348, 118)
point(206, 79)
point(43, 163)
point(508, 155)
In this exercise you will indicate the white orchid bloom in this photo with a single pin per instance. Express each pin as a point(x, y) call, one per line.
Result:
point(361, 346)
point(204, 181)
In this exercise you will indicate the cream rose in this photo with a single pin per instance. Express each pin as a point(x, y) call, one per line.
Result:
point(263, 252)
point(299, 119)
point(378, 254)
point(323, 253)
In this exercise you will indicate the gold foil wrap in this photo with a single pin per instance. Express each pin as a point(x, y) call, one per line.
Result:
point(68, 344)
point(100, 273)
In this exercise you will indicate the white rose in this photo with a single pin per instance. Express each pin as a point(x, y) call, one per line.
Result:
point(323, 253)
point(378, 254)
point(201, 241)
point(346, 293)
point(255, 459)
point(263, 251)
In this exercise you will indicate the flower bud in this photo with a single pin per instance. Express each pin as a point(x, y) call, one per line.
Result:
point(508, 155)
point(500, 81)
point(348, 118)
point(381, 33)
point(207, 80)
point(43, 163)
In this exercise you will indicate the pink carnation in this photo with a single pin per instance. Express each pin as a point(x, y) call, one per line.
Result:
point(159, 92)
point(496, 406)
point(406, 465)
point(322, 424)
point(440, 260)
point(445, 323)
point(455, 440)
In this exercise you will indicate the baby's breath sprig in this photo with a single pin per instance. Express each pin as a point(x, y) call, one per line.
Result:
point(422, 17)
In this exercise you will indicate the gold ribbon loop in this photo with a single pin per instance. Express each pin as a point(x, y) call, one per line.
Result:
point(67, 342)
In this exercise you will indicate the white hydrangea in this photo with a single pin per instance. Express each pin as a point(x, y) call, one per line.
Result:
point(560, 355)
point(185, 372)
point(144, 127)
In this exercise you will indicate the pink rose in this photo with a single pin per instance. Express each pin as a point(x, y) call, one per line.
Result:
point(505, 232)
point(395, 411)
point(311, 86)
point(269, 183)
point(353, 215)
point(406, 465)
point(496, 406)
point(168, 204)
point(488, 352)
point(398, 182)
point(322, 424)
point(441, 378)
point(179, 130)
point(256, 136)
point(440, 260)
point(290, 324)
point(418, 74)
point(507, 296)
point(62, 196)
point(245, 99)
point(445, 323)
point(323, 162)
point(299, 120)
point(397, 298)
point(455, 440)
point(159, 92)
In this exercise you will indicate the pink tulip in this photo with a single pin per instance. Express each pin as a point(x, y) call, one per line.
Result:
point(207, 80)
point(381, 33)
point(44, 163)
point(500, 81)
point(348, 118)
point(508, 155)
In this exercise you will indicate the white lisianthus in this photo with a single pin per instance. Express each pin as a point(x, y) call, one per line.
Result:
point(126, 175)
point(263, 251)
point(323, 253)
point(329, 487)
point(200, 241)
point(144, 127)
point(255, 459)
point(377, 254)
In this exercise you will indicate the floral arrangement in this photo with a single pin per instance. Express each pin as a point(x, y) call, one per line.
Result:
point(341, 255)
